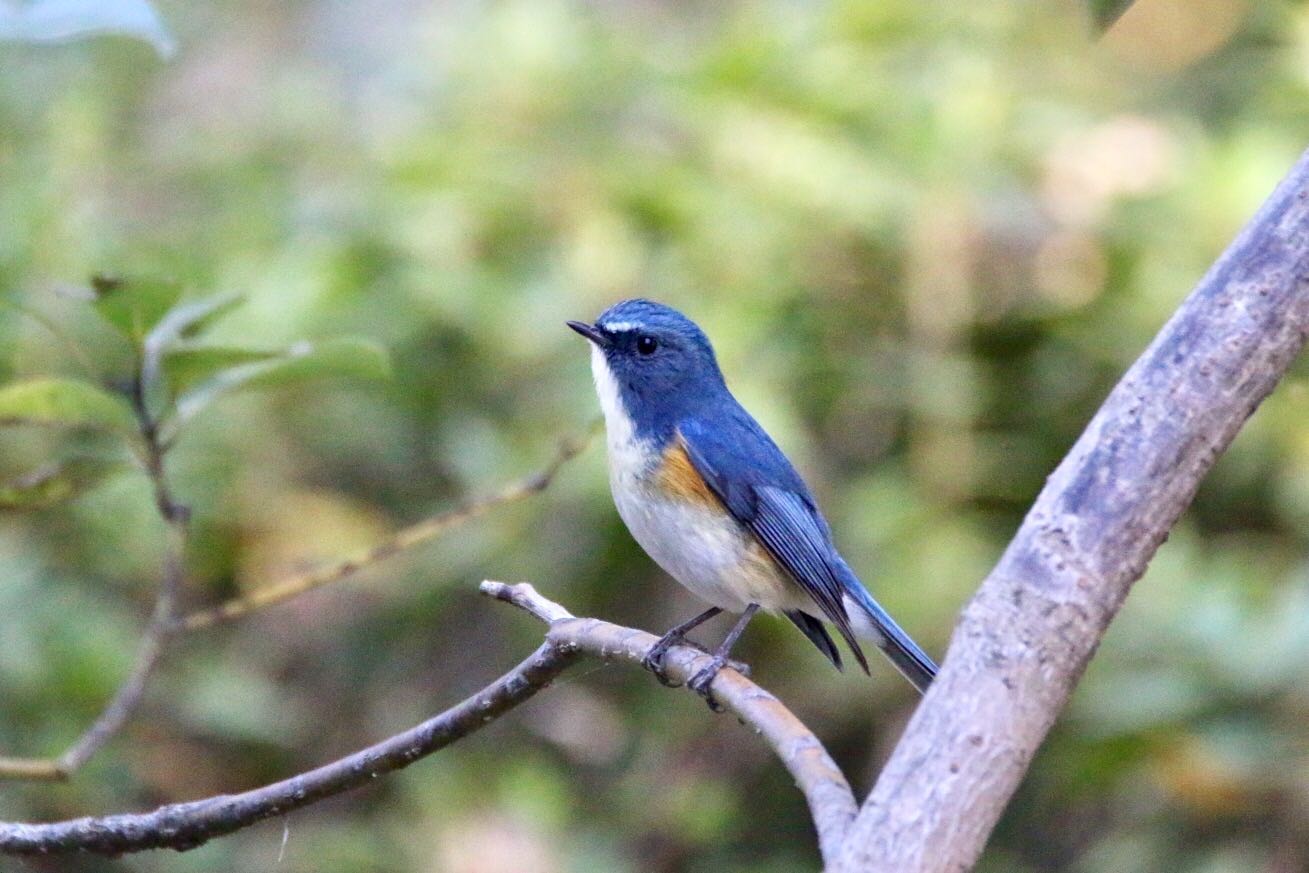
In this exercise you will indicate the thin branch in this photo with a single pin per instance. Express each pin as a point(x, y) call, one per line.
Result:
point(32, 769)
point(831, 801)
point(148, 653)
point(528, 599)
point(164, 624)
point(184, 826)
point(1024, 640)
point(415, 535)
point(155, 637)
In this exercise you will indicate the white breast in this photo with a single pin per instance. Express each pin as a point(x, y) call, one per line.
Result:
point(702, 548)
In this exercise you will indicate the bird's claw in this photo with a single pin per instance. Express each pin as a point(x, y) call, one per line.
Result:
point(700, 682)
point(656, 659)
point(739, 666)
point(654, 662)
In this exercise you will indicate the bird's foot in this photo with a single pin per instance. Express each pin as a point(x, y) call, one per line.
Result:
point(654, 660)
point(701, 681)
point(739, 666)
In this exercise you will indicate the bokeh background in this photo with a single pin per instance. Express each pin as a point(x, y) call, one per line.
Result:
point(926, 238)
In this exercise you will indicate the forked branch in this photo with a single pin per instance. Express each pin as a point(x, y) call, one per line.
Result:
point(187, 825)
point(831, 802)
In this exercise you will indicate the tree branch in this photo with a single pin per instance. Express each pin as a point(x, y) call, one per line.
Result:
point(155, 637)
point(164, 624)
point(148, 654)
point(184, 826)
point(831, 802)
point(1024, 640)
point(414, 535)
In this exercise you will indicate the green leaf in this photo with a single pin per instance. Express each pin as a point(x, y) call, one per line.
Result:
point(345, 357)
point(64, 20)
point(1106, 12)
point(56, 482)
point(134, 306)
point(183, 320)
point(69, 402)
point(337, 358)
point(187, 364)
point(190, 318)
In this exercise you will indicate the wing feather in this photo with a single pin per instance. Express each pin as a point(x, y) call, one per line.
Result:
point(779, 513)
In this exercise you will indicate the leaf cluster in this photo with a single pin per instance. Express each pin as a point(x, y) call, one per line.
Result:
point(178, 375)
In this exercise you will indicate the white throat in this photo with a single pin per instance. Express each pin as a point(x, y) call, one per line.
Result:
point(626, 453)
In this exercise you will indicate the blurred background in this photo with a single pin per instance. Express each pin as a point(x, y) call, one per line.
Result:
point(926, 238)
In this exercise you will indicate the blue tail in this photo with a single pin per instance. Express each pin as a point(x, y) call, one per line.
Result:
point(902, 651)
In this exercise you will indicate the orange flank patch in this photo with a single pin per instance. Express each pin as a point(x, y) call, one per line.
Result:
point(679, 479)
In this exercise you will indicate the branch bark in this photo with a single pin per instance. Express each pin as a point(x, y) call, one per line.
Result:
point(828, 794)
point(184, 826)
point(1023, 641)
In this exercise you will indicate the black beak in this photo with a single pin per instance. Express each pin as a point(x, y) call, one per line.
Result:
point(590, 332)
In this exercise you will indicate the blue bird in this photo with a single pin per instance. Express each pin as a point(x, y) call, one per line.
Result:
point(712, 499)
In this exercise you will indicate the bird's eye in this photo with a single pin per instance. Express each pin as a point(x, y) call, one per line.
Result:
point(646, 344)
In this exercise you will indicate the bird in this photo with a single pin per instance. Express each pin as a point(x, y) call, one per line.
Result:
point(711, 498)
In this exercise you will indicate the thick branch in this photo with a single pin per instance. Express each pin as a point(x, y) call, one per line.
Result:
point(1024, 640)
point(187, 825)
point(831, 802)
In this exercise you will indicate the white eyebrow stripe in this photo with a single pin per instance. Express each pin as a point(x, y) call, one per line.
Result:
point(618, 326)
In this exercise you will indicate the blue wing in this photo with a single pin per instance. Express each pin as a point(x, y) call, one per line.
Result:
point(748, 472)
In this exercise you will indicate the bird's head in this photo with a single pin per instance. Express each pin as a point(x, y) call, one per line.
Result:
point(652, 357)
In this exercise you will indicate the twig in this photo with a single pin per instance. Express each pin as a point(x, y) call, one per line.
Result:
point(1024, 640)
point(34, 769)
point(148, 654)
point(156, 634)
point(163, 623)
point(414, 535)
point(528, 599)
point(831, 801)
point(184, 826)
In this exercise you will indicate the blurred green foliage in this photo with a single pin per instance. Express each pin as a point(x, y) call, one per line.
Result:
point(926, 239)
